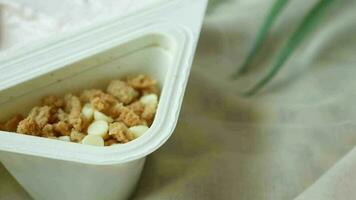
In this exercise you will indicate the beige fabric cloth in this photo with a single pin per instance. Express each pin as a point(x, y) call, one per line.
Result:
point(289, 141)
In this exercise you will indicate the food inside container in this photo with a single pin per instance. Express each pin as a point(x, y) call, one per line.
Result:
point(121, 113)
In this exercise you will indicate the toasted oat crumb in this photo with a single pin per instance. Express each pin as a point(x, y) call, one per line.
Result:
point(42, 115)
point(137, 106)
point(61, 115)
point(151, 90)
point(73, 107)
point(12, 124)
point(53, 101)
point(57, 116)
point(130, 118)
point(35, 121)
point(141, 81)
point(103, 102)
point(76, 136)
point(122, 91)
point(88, 95)
point(110, 142)
point(62, 128)
point(98, 99)
point(85, 123)
point(99, 104)
point(148, 114)
point(48, 131)
point(72, 104)
point(28, 126)
point(119, 131)
point(126, 115)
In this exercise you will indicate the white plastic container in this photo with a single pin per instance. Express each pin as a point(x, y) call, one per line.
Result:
point(159, 41)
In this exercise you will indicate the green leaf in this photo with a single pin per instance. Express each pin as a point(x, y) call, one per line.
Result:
point(308, 23)
point(276, 9)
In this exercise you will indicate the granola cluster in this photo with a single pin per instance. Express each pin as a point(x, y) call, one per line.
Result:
point(95, 117)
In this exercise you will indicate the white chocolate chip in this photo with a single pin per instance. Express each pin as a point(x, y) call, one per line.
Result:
point(64, 138)
point(101, 116)
point(98, 128)
point(93, 140)
point(88, 111)
point(138, 130)
point(149, 100)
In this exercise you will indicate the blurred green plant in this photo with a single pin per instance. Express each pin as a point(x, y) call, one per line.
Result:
point(309, 22)
point(214, 4)
point(262, 34)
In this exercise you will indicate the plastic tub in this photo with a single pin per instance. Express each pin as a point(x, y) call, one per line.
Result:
point(160, 41)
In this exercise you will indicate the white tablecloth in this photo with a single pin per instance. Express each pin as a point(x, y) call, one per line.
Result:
point(293, 139)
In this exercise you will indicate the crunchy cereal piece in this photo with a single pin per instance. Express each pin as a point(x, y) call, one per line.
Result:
point(28, 126)
point(73, 106)
point(98, 99)
point(79, 123)
point(151, 90)
point(85, 123)
point(48, 131)
point(99, 104)
point(137, 106)
point(129, 117)
point(117, 128)
point(88, 95)
point(122, 91)
point(150, 101)
point(12, 124)
point(62, 116)
point(116, 110)
point(42, 115)
point(141, 81)
point(103, 102)
point(76, 136)
point(76, 122)
point(62, 128)
point(126, 115)
point(148, 114)
point(109, 98)
point(35, 121)
point(53, 115)
point(119, 131)
point(53, 101)
point(110, 142)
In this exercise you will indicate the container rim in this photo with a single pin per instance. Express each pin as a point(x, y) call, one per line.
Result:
point(183, 23)
point(159, 132)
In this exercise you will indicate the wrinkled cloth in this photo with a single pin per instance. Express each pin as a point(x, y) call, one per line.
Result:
point(295, 139)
